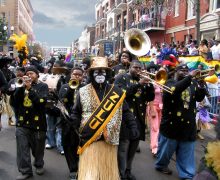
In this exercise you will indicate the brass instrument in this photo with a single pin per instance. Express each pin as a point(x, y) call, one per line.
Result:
point(73, 83)
point(207, 75)
point(137, 42)
point(20, 81)
point(159, 79)
point(204, 73)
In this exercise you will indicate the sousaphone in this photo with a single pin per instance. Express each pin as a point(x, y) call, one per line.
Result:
point(137, 42)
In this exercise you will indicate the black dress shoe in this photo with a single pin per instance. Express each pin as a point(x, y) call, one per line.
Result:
point(154, 155)
point(23, 176)
point(129, 175)
point(165, 170)
point(138, 150)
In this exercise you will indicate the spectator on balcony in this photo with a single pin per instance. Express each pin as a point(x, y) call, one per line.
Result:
point(133, 24)
point(203, 48)
point(192, 49)
point(216, 50)
point(153, 50)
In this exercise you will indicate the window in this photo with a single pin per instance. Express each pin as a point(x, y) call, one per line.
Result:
point(214, 5)
point(177, 8)
point(2, 2)
point(191, 9)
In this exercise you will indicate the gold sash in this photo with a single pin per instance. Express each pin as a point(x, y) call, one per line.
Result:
point(100, 117)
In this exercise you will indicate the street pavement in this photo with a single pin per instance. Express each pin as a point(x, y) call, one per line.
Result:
point(56, 167)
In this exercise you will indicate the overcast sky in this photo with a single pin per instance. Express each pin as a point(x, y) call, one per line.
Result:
point(59, 22)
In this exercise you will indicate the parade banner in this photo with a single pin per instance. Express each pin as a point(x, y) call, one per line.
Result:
point(193, 62)
point(68, 57)
point(145, 60)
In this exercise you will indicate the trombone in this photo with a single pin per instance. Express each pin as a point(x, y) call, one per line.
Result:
point(204, 73)
point(73, 83)
point(159, 79)
point(207, 75)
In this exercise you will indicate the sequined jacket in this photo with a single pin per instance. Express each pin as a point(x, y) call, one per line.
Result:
point(179, 109)
point(86, 104)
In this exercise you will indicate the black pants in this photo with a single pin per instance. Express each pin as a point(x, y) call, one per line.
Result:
point(72, 158)
point(27, 140)
point(126, 153)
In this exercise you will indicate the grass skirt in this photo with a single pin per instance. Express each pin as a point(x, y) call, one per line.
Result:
point(99, 162)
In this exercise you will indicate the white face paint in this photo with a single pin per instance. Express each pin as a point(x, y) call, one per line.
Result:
point(99, 76)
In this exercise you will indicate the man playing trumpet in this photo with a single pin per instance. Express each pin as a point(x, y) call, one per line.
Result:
point(178, 124)
point(29, 103)
point(70, 139)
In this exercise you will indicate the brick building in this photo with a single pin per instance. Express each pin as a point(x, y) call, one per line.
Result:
point(172, 23)
point(180, 26)
point(18, 15)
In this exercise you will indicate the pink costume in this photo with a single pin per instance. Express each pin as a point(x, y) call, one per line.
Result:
point(154, 110)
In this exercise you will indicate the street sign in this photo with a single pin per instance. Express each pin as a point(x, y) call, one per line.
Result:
point(108, 48)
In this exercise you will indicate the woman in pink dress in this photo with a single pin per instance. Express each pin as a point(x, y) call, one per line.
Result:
point(154, 110)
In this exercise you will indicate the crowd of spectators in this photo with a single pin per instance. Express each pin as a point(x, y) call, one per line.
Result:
point(210, 50)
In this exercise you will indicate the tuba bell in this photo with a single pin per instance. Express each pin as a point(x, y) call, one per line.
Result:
point(73, 84)
point(137, 42)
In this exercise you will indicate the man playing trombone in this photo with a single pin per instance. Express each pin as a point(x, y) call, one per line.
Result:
point(138, 92)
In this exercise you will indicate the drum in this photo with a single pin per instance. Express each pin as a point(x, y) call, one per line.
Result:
point(50, 79)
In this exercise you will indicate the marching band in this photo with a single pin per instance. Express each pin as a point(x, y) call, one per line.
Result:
point(96, 113)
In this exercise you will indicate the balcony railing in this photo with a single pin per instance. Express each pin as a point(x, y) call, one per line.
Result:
point(154, 24)
point(102, 18)
point(102, 37)
point(118, 2)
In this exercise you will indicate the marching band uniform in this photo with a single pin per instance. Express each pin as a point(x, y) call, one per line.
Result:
point(3, 83)
point(100, 124)
point(137, 96)
point(70, 139)
point(3, 89)
point(125, 58)
point(31, 125)
point(5, 60)
point(178, 125)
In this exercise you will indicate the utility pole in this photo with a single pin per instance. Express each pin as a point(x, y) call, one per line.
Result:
point(197, 21)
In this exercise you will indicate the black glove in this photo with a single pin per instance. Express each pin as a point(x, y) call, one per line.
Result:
point(134, 134)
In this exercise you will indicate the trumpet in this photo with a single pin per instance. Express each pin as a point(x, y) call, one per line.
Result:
point(73, 83)
point(159, 79)
point(20, 82)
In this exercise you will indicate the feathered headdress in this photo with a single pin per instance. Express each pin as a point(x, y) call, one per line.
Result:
point(21, 47)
